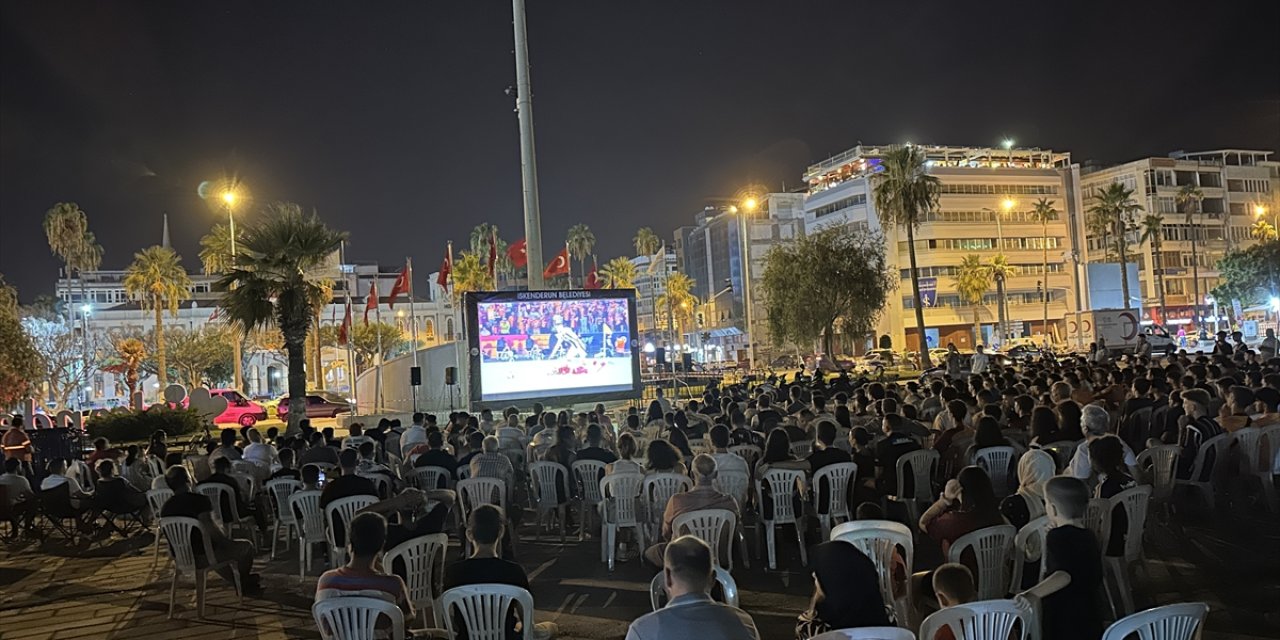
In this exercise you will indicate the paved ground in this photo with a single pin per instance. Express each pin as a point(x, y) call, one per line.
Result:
point(110, 589)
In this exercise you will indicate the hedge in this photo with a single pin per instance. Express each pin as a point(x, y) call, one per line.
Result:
point(132, 426)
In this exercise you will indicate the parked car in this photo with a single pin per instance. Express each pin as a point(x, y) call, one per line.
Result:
point(240, 409)
point(320, 404)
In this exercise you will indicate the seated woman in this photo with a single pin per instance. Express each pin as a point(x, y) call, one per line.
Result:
point(624, 463)
point(1044, 427)
point(1035, 467)
point(777, 455)
point(846, 592)
point(664, 458)
point(680, 441)
point(1111, 475)
point(966, 505)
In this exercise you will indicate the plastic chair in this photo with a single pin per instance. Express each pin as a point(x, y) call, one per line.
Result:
point(801, 448)
point(728, 588)
point(736, 484)
point(1028, 546)
point(657, 490)
point(1202, 469)
point(711, 525)
point(783, 484)
point(1170, 622)
point(878, 539)
point(867, 633)
point(220, 494)
point(345, 509)
point(996, 461)
point(621, 491)
point(355, 617)
point(381, 483)
point(982, 620)
point(1135, 502)
point(748, 452)
point(428, 478)
point(1158, 466)
point(305, 507)
point(1257, 446)
point(550, 480)
point(423, 572)
point(587, 474)
point(923, 464)
point(156, 499)
point(483, 609)
point(993, 548)
point(474, 492)
point(245, 467)
point(837, 477)
point(1062, 450)
point(178, 532)
point(280, 489)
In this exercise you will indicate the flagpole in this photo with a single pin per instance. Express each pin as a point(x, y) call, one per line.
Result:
point(351, 361)
point(461, 325)
point(413, 327)
point(377, 318)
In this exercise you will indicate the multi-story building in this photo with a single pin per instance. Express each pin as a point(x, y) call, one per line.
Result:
point(650, 283)
point(1235, 184)
point(985, 209)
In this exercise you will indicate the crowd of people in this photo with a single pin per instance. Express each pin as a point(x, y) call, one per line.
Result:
point(1077, 424)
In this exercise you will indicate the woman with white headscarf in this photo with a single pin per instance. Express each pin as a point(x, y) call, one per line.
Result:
point(1035, 467)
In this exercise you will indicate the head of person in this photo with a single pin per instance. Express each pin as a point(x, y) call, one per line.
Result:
point(348, 460)
point(892, 423)
point(254, 436)
point(435, 440)
point(704, 469)
point(475, 440)
point(655, 411)
point(662, 456)
point(228, 437)
point(626, 446)
point(846, 587)
point(1094, 421)
point(953, 584)
point(16, 422)
point(958, 410)
point(1044, 423)
point(633, 422)
point(1195, 402)
point(490, 444)
point(1066, 499)
point(310, 475)
point(564, 436)
point(366, 535)
point(595, 435)
point(485, 526)
point(106, 469)
point(976, 493)
point(418, 417)
point(286, 458)
point(988, 434)
point(178, 479)
point(1035, 467)
point(686, 567)
point(825, 433)
point(680, 441)
point(777, 447)
point(719, 435)
point(222, 465)
point(366, 450)
point(1106, 455)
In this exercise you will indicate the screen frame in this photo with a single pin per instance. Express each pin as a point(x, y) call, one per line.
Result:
point(471, 303)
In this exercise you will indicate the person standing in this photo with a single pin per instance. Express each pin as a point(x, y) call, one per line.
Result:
point(979, 362)
point(17, 446)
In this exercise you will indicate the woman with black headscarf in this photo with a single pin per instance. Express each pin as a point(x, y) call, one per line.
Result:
point(846, 592)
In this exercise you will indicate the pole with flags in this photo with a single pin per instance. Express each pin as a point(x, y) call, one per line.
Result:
point(346, 327)
point(413, 325)
point(371, 304)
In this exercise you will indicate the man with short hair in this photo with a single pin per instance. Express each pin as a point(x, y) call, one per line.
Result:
point(222, 475)
point(726, 462)
point(595, 447)
point(318, 451)
point(690, 613)
point(888, 449)
point(226, 447)
point(1073, 564)
point(703, 495)
point(361, 573)
point(344, 486)
point(1194, 428)
point(116, 495)
point(1094, 423)
point(286, 470)
point(415, 435)
point(979, 362)
point(21, 499)
point(435, 455)
point(188, 504)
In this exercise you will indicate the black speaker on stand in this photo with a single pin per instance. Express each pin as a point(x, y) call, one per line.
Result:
point(451, 380)
point(415, 381)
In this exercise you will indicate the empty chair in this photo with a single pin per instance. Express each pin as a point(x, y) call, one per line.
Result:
point(736, 484)
point(620, 494)
point(336, 517)
point(922, 465)
point(867, 633)
point(783, 485)
point(482, 610)
point(428, 478)
point(712, 526)
point(463, 472)
point(982, 620)
point(156, 499)
point(801, 448)
point(728, 589)
point(1158, 467)
point(879, 539)
point(550, 482)
point(420, 562)
point(305, 506)
point(836, 478)
point(1028, 547)
point(1170, 622)
point(997, 462)
point(355, 617)
point(992, 547)
point(657, 490)
point(1210, 453)
point(587, 474)
point(748, 452)
point(178, 531)
point(280, 489)
point(1257, 446)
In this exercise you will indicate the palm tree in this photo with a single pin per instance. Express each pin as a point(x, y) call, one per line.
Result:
point(646, 242)
point(1000, 271)
point(618, 273)
point(580, 242)
point(131, 352)
point(66, 227)
point(157, 280)
point(215, 249)
point(1262, 230)
point(1044, 212)
point(679, 301)
point(972, 281)
point(1153, 234)
point(1115, 207)
point(469, 274)
point(280, 279)
point(1188, 199)
point(480, 238)
point(904, 193)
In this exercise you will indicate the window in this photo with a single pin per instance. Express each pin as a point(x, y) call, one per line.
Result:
point(983, 216)
point(999, 189)
point(843, 203)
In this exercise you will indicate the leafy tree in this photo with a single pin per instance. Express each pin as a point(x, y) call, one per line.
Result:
point(66, 228)
point(156, 278)
point(646, 242)
point(215, 249)
point(618, 273)
point(19, 360)
point(835, 278)
point(679, 302)
point(1152, 226)
point(470, 273)
point(972, 282)
point(1262, 230)
point(904, 194)
point(480, 247)
point(279, 279)
point(62, 348)
point(1188, 199)
point(580, 242)
point(199, 356)
point(1251, 275)
point(1115, 210)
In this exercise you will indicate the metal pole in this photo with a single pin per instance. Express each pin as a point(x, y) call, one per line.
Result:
point(351, 360)
point(377, 380)
point(746, 292)
point(413, 328)
point(528, 161)
point(236, 356)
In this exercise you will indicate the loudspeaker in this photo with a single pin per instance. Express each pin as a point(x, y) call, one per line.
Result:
point(451, 376)
point(686, 359)
point(415, 376)
point(661, 354)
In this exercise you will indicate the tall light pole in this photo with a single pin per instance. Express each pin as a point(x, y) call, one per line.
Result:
point(528, 161)
point(229, 200)
point(749, 205)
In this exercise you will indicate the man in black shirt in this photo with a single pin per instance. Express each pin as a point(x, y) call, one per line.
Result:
point(344, 486)
point(894, 444)
point(825, 453)
point(435, 455)
point(1073, 563)
point(115, 495)
point(740, 434)
point(187, 504)
point(318, 451)
point(222, 475)
point(486, 566)
point(766, 416)
point(594, 450)
point(286, 469)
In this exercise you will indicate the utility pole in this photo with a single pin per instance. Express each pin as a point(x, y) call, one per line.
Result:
point(528, 161)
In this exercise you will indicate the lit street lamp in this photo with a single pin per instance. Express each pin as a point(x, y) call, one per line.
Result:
point(229, 199)
point(750, 202)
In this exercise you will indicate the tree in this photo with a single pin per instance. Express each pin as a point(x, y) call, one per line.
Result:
point(1044, 212)
point(1188, 199)
point(130, 353)
point(66, 228)
point(580, 242)
point(679, 302)
point(1262, 230)
point(1251, 275)
point(215, 249)
point(972, 282)
point(1153, 233)
point(480, 236)
point(280, 279)
point(904, 193)
point(646, 242)
point(199, 356)
point(618, 273)
point(1114, 209)
point(157, 280)
point(364, 339)
point(19, 360)
point(1001, 271)
point(62, 348)
point(833, 279)
point(470, 273)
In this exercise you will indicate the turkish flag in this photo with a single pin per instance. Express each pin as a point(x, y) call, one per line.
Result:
point(371, 304)
point(493, 257)
point(593, 276)
point(516, 252)
point(446, 268)
point(558, 266)
point(344, 331)
point(399, 287)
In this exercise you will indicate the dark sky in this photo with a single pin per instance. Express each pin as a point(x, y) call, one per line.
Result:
point(389, 119)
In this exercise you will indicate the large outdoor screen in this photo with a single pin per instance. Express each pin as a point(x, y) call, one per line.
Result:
point(553, 346)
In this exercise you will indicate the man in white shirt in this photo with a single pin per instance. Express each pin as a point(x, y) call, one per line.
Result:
point(725, 461)
point(978, 363)
point(415, 435)
point(21, 506)
point(1094, 423)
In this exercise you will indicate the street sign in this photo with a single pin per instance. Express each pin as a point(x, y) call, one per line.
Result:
point(928, 292)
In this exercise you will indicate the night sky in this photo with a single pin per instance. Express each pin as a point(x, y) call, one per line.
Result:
point(389, 118)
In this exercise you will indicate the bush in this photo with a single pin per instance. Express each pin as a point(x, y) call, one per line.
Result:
point(131, 426)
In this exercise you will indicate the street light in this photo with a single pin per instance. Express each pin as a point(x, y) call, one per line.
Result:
point(750, 201)
point(229, 200)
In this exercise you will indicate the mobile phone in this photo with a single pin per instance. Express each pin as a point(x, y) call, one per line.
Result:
point(320, 482)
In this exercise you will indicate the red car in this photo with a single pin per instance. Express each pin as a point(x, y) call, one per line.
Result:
point(320, 404)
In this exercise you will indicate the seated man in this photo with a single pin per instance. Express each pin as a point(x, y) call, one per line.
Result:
point(344, 486)
point(21, 500)
point(286, 470)
point(725, 461)
point(1094, 423)
point(188, 504)
point(318, 451)
point(704, 495)
point(116, 495)
point(953, 585)
point(418, 512)
point(595, 449)
point(58, 476)
point(491, 463)
point(690, 613)
point(368, 535)
point(222, 475)
point(227, 447)
point(102, 450)
point(1073, 563)
point(436, 456)
point(474, 444)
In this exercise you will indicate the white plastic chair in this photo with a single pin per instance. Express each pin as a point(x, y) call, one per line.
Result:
point(156, 499)
point(474, 492)
point(993, 548)
point(801, 448)
point(220, 494)
point(657, 490)
point(245, 467)
point(483, 610)
point(381, 483)
point(867, 633)
point(1257, 446)
point(1170, 622)
point(837, 477)
point(1266, 465)
point(587, 474)
point(982, 620)
point(996, 461)
point(736, 484)
point(1202, 470)
point(878, 539)
point(280, 489)
point(783, 484)
point(1135, 502)
point(355, 617)
point(1158, 466)
point(344, 509)
point(178, 532)
point(428, 478)
point(923, 464)
point(1062, 450)
point(305, 507)
point(710, 525)
point(728, 586)
point(1028, 546)
point(748, 452)
point(621, 491)
point(423, 559)
point(546, 477)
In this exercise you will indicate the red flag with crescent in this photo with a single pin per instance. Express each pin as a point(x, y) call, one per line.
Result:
point(399, 287)
point(517, 253)
point(558, 266)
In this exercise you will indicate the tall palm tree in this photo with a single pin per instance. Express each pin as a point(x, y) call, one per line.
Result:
point(1188, 199)
point(679, 301)
point(972, 282)
point(580, 241)
point(131, 352)
point(1044, 212)
point(1000, 271)
point(480, 235)
point(1115, 206)
point(618, 273)
point(1153, 234)
point(480, 247)
point(646, 242)
point(280, 279)
point(66, 227)
point(157, 280)
point(904, 193)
